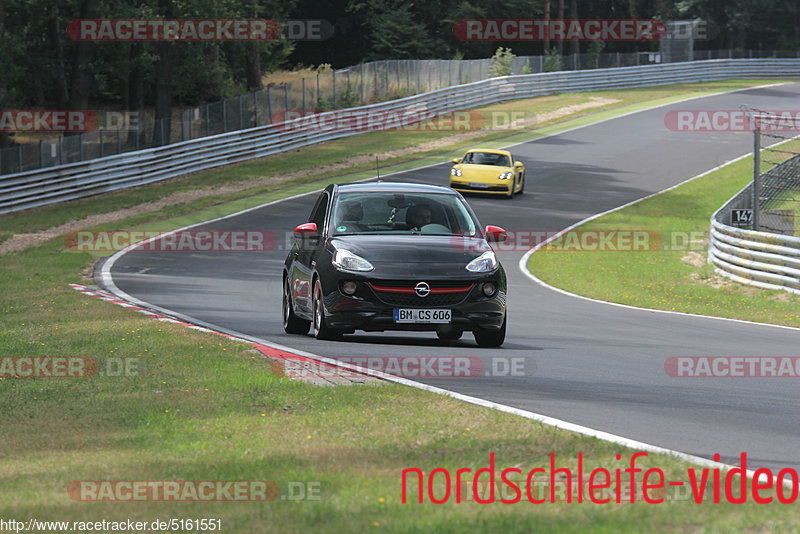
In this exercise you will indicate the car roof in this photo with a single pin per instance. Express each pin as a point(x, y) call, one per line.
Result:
point(398, 187)
point(490, 150)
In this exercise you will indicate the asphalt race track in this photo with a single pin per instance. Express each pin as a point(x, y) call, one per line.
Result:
point(588, 363)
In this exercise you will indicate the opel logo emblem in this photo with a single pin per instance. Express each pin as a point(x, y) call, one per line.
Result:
point(422, 289)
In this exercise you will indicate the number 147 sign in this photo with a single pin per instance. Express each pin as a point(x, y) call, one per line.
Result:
point(741, 216)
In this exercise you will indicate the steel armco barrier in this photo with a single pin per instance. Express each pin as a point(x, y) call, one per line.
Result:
point(761, 259)
point(66, 182)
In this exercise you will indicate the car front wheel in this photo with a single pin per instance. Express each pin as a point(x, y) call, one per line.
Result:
point(321, 330)
point(491, 338)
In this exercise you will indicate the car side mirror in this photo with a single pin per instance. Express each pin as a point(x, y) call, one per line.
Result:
point(495, 234)
point(454, 160)
point(305, 230)
point(518, 164)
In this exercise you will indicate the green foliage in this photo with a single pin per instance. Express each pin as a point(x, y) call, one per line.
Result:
point(501, 62)
point(595, 49)
point(552, 62)
point(124, 74)
point(344, 99)
point(396, 34)
point(526, 68)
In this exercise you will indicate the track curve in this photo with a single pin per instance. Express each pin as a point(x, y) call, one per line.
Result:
point(596, 365)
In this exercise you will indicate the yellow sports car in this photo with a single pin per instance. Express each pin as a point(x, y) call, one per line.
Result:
point(485, 170)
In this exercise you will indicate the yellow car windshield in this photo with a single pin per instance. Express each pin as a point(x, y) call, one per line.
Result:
point(487, 158)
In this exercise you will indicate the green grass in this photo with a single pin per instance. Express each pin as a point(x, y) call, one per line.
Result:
point(201, 407)
point(664, 278)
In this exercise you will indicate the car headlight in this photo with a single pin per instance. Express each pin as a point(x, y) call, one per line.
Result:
point(484, 263)
point(455, 171)
point(506, 175)
point(347, 261)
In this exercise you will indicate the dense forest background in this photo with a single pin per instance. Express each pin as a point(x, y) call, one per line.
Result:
point(42, 67)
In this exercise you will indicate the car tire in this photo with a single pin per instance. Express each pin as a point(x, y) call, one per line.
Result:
point(491, 338)
point(321, 329)
point(510, 194)
point(292, 324)
point(522, 187)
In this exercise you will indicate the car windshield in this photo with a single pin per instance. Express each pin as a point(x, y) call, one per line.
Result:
point(380, 212)
point(487, 158)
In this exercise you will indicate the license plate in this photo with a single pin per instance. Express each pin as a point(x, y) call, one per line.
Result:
point(479, 185)
point(415, 315)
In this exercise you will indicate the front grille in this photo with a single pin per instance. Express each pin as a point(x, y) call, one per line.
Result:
point(400, 293)
point(479, 189)
point(435, 284)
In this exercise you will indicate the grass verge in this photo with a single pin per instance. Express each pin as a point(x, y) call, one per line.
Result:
point(194, 406)
point(671, 273)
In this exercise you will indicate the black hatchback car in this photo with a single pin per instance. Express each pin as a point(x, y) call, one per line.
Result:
point(394, 256)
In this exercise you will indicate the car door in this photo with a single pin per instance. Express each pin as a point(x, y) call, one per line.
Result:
point(306, 254)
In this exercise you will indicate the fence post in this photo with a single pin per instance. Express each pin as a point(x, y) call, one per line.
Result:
point(269, 103)
point(317, 90)
point(303, 87)
point(225, 115)
point(119, 139)
point(80, 147)
point(756, 173)
point(363, 96)
point(241, 113)
point(41, 156)
point(100, 133)
point(286, 96)
point(255, 107)
point(19, 157)
point(333, 75)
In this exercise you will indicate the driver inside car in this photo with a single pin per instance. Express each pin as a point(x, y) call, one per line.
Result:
point(417, 217)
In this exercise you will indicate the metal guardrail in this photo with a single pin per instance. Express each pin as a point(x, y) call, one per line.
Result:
point(66, 182)
point(762, 259)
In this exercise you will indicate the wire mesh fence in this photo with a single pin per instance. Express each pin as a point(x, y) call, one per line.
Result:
point(778, 187)
point(771, 202)
point(362, 84)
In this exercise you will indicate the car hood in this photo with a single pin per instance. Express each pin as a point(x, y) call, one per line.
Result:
point(414, 254)
point(482, 172)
